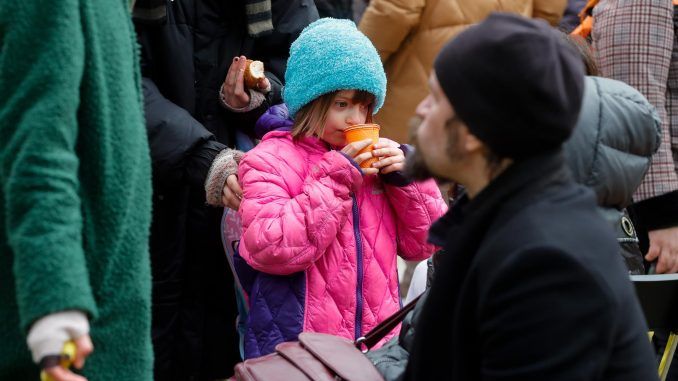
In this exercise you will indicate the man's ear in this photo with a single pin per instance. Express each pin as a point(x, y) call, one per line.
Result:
point(470, 142)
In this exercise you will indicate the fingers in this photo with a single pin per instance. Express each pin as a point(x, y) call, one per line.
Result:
point(668, 262)
point(362, 157)
point(369, 171)
point(352, 149)
point(58, 373)
point(383, 143)
point(239, 88)
point(665, 263)
point(264, 85)
point(392, 159)
point(230, 200)
point(388, 152)
point(231, 194)
point(234, 84)
point(652, 254)
point(234, 185)
point(230, 76)
point(84, 348)
point(393, 168)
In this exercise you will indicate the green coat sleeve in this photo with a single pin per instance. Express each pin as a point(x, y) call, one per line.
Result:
point(41, 65)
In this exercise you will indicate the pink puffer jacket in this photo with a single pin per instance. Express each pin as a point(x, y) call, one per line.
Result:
point(308, 209)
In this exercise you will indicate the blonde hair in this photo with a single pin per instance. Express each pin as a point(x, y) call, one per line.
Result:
point(310, 119)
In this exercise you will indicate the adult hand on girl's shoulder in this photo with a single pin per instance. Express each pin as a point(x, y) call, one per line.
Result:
point(352, 150)
point(391, 157)
point(231, 194)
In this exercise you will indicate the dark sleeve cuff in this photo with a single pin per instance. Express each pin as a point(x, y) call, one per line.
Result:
point(398, 178)
point(200, 161)
point(657, 212)
point(353, 162)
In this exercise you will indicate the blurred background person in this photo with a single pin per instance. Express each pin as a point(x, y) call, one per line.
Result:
point(197, 112)
point(75, 193)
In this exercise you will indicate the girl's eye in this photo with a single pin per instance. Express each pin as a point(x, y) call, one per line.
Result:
point(341, 104)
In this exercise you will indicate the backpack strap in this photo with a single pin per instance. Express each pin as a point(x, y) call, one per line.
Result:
point(366, 342)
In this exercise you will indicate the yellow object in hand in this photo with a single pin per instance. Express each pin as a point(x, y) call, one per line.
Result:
point(67, 357)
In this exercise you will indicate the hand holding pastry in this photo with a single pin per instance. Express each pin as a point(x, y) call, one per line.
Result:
point(235, 90)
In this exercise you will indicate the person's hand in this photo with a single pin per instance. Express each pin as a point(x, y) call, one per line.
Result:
point(232, 193)
point(392, 158)
point(664, 248)
point(352, 149)
point(234, 91)
point(83, 349)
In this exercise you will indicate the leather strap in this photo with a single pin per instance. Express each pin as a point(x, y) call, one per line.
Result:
point(377, 333)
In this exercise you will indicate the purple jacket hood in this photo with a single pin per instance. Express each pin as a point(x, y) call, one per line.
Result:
point(276, 118)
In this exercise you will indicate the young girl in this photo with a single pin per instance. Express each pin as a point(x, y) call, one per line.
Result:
point(322, 232)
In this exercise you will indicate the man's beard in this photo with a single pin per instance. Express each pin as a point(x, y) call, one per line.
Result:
point(415, 166)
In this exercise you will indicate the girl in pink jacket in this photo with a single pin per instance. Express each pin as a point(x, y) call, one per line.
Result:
point(322, 232)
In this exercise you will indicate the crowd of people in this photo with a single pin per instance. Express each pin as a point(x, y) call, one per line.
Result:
point(172, 220)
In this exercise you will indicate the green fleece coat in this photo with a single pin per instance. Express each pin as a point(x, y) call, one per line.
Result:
point(75, 183)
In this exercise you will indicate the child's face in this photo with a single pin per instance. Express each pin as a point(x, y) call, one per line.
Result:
point(342, 114)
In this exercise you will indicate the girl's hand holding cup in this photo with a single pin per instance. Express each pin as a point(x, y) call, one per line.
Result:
point(391, 157)
point(353, 149)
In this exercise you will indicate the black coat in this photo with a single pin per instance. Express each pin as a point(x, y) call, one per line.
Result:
point(187, 47)
point(530, 288)
point(339, 9)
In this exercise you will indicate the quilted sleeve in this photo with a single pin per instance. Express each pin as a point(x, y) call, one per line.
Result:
point(416, 206)
point(285, 233)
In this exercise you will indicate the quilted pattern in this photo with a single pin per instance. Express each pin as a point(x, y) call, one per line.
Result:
point(298, 218)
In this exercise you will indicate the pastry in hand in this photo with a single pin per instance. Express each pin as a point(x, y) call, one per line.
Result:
point(254, 73)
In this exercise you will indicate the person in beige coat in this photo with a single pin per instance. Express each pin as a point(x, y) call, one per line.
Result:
point(408, 35)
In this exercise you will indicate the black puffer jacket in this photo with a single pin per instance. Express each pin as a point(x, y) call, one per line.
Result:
point(610, 151)
point(187, 47)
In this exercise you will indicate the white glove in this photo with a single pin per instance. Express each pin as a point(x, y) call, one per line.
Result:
point(48, 334)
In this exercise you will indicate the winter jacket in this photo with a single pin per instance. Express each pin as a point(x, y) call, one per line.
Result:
point(187, 47)
point(75, 188)
point(409, 34)
point(609, 151)
point(324, 239)
point(527, 259)
point(338, 9)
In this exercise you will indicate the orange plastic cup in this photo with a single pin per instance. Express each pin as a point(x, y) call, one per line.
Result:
point(360, 132)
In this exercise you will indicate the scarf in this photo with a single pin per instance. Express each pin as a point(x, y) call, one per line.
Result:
point(259, 17)
point(258, 13)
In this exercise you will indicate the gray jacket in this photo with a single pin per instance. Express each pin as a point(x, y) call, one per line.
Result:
point(610, 151)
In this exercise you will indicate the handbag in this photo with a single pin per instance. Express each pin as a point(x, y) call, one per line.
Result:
point(321, 357)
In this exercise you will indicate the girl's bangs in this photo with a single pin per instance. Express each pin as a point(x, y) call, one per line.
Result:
point(363, 97)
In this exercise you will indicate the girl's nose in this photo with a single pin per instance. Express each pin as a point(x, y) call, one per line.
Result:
point(354, 116)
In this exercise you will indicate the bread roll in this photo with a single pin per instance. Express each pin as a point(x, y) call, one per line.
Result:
point(254, 72)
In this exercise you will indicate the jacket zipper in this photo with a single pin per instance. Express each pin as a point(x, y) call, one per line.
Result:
point(359, 288)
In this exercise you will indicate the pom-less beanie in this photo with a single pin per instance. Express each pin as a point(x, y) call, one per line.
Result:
point(330, 55)
point(515, 84)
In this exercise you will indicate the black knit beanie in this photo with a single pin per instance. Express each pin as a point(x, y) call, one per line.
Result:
point(515, 84)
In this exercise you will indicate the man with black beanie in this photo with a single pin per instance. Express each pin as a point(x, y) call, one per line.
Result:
point(531, 286)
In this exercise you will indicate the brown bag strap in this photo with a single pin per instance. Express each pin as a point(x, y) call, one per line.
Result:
point(377, 333)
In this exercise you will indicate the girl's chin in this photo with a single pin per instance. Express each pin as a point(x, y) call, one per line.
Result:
point(338, 144)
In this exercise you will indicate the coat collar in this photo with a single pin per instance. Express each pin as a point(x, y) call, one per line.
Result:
point(516, 185)
point(461, 232)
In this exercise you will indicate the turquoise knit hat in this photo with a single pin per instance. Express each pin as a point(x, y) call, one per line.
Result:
point(330, 55)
